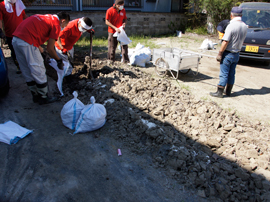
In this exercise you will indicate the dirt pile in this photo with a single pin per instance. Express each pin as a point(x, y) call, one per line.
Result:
point(201, 145)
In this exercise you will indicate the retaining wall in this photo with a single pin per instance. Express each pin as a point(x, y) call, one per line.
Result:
point(138, 23)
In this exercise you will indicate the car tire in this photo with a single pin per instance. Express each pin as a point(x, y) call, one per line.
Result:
point(4, 91)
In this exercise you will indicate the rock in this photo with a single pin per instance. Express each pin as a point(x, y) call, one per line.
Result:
point(227, 167)
point(266, 197)
point(202, 110)
point(253, 164)
point(252, 153)
point(228, 127)
point(232, 141)
point(242, 174)
point(223, 190)
point(201, 193)
point(266, 185)
point(213, 143)
point(264, 173)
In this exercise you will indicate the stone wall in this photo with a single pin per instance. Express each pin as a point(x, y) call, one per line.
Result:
point(138, 23)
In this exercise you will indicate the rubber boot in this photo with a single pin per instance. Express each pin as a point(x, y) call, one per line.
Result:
point(42, 90)
point(219, 92)
point(33, 88)
point(229, 89)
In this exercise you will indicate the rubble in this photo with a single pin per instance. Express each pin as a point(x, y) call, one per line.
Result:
point(204, 147)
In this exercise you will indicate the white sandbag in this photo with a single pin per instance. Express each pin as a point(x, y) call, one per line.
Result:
point(60, 73)
point(207, 45)
point(139, 60)
point(122, 37)
point(11, 133)
point(92, 117)
point(141, 56)
point(71, 111)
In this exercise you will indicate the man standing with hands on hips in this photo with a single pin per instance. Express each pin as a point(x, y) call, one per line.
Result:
point(115, 18)
point(28, 38)
point(228, 55)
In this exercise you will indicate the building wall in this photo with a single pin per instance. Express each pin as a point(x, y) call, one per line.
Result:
point(162, 6)
point(138, 23)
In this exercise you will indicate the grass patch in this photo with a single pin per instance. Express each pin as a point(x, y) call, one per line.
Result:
point(205, 98)
point(83, 42)
point(198, 30)
point(185, 87)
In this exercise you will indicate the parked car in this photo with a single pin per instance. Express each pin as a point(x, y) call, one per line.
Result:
point(4, 80)
point(257, 43)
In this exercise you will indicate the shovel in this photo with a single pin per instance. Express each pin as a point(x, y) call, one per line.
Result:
point(89, 71)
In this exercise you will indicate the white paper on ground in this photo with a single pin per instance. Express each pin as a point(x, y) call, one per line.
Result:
point(60, 73)
point(11, 133)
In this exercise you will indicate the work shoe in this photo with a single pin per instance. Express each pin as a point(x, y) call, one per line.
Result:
point(219, 92)
point(35, 97)
point(229, 89)
point(47, 100)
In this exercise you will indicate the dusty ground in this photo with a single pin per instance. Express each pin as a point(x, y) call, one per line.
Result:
point(195, 151)
point(251, 91)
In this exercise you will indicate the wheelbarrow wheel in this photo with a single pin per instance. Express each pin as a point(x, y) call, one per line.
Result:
point(161, 67)
point(184, 71)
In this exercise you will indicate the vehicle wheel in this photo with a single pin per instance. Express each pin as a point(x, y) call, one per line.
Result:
point(4, 91)
point(184, 71)
point(161, 67)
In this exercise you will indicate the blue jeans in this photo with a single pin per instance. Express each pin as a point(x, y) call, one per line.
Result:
point(227, 68)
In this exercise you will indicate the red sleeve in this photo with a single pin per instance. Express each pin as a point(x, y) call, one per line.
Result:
point(54, 33)
point(64, 35)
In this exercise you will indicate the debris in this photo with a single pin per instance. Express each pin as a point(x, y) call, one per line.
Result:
point(119, 152)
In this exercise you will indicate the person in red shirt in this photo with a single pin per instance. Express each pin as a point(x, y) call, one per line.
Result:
point(12, 13)
point(27, 40)
point(115, 18)
point(69, 36)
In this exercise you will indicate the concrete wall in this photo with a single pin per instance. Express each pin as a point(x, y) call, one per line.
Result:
point(138, 23)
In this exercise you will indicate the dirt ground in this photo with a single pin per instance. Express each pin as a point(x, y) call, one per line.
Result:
point(251, 91)
point(51, 164)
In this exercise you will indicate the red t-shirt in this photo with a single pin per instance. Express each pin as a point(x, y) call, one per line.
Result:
point(69, 35)
point(115, 18)
point(11, 20)
point(37, 29)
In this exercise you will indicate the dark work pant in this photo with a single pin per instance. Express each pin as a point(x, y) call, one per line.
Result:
point(112, 44)
point(9, 41)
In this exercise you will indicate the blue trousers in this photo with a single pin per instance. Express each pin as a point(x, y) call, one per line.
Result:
point(227, 68)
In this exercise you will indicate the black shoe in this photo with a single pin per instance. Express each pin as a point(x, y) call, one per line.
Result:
point(219, 92)
point(229, 89)
point(35, 98)
point(48, 100)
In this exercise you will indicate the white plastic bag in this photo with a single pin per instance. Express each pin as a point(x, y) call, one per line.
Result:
point(92, 117)
point(60, 73)
point(11, 133)
point(207, 45)
point(71, 111)
point(122, 37)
